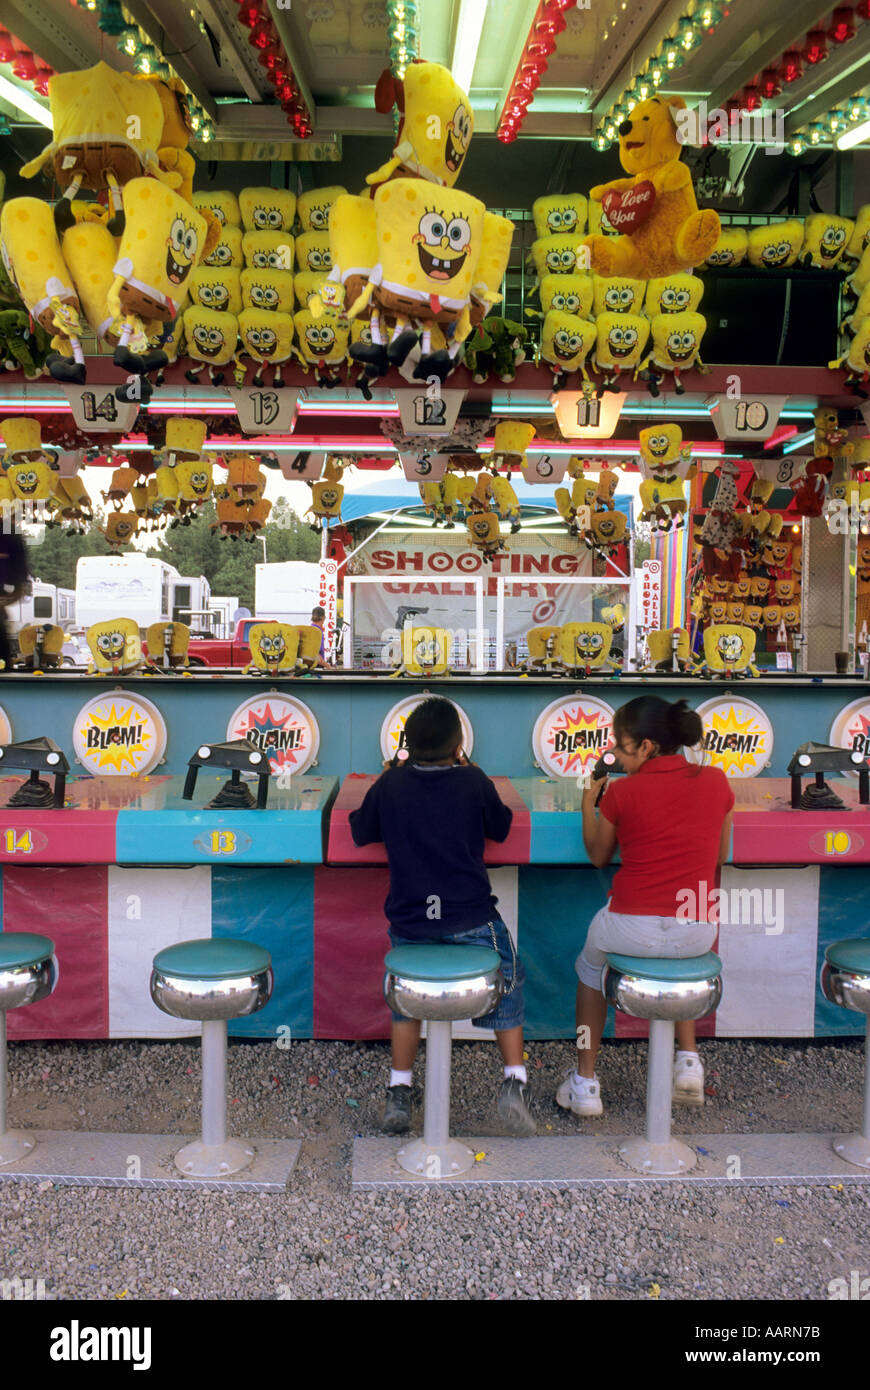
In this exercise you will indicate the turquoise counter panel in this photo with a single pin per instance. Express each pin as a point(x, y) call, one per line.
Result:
point(160, 827)
point(556, 820)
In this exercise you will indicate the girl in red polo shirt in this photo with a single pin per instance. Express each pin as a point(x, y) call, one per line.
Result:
point(672, 822)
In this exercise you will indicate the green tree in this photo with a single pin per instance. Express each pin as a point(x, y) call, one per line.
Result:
point(236, 574)
point(193, 548)
point(287, 537)
point(54, 559)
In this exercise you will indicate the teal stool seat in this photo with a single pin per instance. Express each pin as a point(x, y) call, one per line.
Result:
point(21, 948)
point(212, 959)
point(848, 955)
point(440, 963)
point(689, 970)
point(845, 980)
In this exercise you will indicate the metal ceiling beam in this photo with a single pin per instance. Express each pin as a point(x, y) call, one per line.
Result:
point(642, 30)
point(59, 45)
point(156, 35)
point(796, 24)
point(285, 34)
point(237, 54)
point(513, 57)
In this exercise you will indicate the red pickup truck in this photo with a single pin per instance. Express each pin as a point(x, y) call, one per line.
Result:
point(222, 651)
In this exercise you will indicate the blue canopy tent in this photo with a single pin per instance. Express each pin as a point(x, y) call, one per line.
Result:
point(394, 496)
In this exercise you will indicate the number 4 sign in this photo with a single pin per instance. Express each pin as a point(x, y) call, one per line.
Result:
point(746, 417)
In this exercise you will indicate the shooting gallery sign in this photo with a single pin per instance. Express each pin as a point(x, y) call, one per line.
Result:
point(284, 729)
point(738, 737)
point(571, 734)
point(393, 727)
point(119, 735)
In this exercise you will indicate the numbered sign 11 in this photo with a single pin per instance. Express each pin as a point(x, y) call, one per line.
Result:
point(302, 468)
point(586, 417)
point(544, 468)
point(429, 410)
point(264, 411)
point(96, 411)
point(746, 417)
point(424, 467)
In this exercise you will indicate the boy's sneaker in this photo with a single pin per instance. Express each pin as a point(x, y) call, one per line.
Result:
point(397, 1110)
point(688, 1079)
point(513, 1107)
point(580, 1095)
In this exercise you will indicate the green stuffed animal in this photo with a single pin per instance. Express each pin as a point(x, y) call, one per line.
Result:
point(495, 348)
point(22, 346)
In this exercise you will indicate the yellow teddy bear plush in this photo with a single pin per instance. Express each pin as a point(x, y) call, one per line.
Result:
point(654, 209)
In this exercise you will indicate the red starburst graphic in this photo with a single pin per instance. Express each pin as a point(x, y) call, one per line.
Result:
point(282, 737)
point(577, 738)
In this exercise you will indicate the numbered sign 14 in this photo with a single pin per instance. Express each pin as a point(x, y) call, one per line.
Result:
point(96, 411)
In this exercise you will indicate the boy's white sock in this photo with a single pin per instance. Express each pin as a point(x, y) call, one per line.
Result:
point(519, 1072)
point(682, 1053)
point(401, 1078)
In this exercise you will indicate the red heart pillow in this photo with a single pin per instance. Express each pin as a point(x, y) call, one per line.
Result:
point(628, 209)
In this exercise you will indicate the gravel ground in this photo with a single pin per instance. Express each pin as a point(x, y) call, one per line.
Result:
point(321, 1240)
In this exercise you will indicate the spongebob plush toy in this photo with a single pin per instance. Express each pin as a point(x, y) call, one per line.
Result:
point(672, 294)
point(268, 339)
point(313, 252)
point(326, 495)
point(353, 248)
point(606, 533)
point(566, 341)
point(211, 341)
point(267, 209)
point(115, 646)
point(666, 655)
point(510, 440)
point(35, 264)
point(728, 649)
point(662, 453)
point(483, 533)
point(492, 264)
point(436, 128)
point(585, 646)
point(309, 289)
point(776, 246)
point(268, 250)
point(567, 294)
point(730, 249)
point(620, 341)
point(273, 648)
point(167, 644)
point(429, 244)
point(314, 208)
point(615, 294)
point(559, 255)
point(559, 214)
point(215, 288)
point(227, 250)
point(40, 645)
point(664, 504)
point(267, 289)
point(31, 482)
point(676, 348)
point(223, 206)
point(194, 483)
point(425, 651)
point(663, 231)
point(825, 239)
point(544, 649)
point(321, 343)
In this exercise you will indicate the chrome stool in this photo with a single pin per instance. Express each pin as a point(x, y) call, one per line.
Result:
point(664, 991)
point(28, 973)
point(846, 981)
point(212, 980)
point(439, 984)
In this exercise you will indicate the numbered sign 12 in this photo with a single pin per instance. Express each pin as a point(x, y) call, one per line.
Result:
point(746, 417)
point(429, 410)
point(264, 411)
point(586, 417)
point(303, 467)
point(544, 468)
point(425, 466)
point(96, 411)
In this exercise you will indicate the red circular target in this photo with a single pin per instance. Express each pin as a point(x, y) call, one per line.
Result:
point(544, 611)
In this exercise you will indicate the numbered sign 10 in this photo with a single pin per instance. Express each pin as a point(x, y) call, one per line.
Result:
point(262, 411)
point(746, 417)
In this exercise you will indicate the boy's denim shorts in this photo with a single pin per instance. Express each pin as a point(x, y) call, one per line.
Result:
point(510, 1010)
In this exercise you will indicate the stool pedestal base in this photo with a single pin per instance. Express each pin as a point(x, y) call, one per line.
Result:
point(854, 1148)
point(665, 1159)
point(199, 1160)
point(15, 1144)
point(425, 1160)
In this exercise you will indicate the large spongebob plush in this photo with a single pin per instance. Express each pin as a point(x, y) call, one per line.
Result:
point(90, 252)
point(825, 239)
point(728, 648)
point(315, 207)
point(672, 294)
point(492, 264)
point(585, 646)
point(273, 647)
point(107, 127)
point(436, 129)
point(664, 230)
point(559, 214)
point(115, 646)
point(34, 262)
point(353, 247)
point(268, 339)
point(429, 243)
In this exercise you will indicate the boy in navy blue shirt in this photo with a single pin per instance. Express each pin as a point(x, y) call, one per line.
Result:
point(433, 810)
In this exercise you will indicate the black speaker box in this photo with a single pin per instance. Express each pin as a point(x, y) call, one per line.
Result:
point(771, 318)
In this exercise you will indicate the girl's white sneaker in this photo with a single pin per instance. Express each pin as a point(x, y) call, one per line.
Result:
point(580, 1095)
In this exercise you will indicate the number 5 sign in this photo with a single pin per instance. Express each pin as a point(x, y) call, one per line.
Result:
point(263, 411)
point(747, 417)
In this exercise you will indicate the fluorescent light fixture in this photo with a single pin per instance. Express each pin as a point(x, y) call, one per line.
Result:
point(469, 27)
point(24, 102)
point(855, 136)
